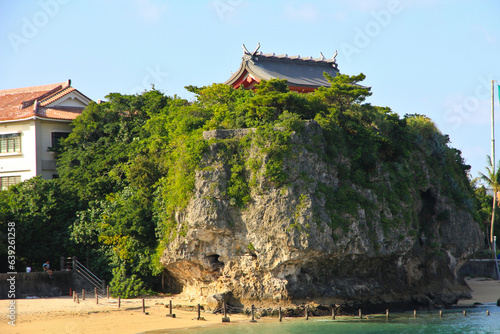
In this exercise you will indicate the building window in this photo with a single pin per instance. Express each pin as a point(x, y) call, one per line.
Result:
point(56, 136)
point(10, 143)
point(7, 181)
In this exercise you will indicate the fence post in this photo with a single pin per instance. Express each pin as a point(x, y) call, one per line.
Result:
point(253, 314)
point(74, 263)
point(171, 314)
point(107, 291)
point(143, 306)
point(96, 296)
point(119, 301)
point(225, 318)
point(280, 315)
point(83, 294)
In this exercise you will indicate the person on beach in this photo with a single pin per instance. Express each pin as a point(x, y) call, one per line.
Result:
point(46, 268)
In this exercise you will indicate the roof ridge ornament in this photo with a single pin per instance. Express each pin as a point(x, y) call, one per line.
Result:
point(247, 56)
point(335, 56)
point(322, 56)
point(256, 49)
point(245, 50)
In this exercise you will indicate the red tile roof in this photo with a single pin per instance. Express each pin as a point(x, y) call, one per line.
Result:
point(68, 113)
point(19, 103)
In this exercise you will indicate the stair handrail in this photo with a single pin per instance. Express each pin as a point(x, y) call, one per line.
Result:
point(89, 276)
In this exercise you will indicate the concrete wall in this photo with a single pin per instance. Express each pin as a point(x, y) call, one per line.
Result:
point(37, 284)
point(479, 268)
point(34, 158)
point(46, 164)
point(19, 163)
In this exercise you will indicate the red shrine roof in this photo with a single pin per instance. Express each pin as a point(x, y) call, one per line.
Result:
point(41, 101)
point(303, 74)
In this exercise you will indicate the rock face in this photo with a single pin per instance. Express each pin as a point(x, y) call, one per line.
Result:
point(282, 248)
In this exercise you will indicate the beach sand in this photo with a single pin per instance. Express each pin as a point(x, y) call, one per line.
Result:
point(62, 315)
point(484, 290)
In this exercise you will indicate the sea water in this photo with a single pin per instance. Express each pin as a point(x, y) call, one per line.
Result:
point(452, 321)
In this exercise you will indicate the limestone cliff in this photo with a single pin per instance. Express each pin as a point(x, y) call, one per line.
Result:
point(293, 242)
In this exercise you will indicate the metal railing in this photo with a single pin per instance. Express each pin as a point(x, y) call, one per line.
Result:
point(89, 276)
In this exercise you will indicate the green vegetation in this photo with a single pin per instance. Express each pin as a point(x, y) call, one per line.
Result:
point(491, 178)
point(128, 168)
point(42, 212)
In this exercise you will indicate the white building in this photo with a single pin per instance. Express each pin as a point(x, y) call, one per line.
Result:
point(32, 120)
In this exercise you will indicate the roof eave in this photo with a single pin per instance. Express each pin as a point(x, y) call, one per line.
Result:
point(36, 117)
point(237, 74)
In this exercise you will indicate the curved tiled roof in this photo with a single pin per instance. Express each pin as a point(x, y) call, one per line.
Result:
point(68, 113)
point(298, 71)
point(22, 103)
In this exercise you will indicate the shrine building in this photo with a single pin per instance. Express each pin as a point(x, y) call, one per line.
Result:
point(303, 74)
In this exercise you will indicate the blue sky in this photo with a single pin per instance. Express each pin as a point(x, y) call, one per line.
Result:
point(432, 57)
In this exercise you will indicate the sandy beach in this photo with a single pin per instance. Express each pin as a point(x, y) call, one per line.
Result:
point(63, 315)
point(484, 290)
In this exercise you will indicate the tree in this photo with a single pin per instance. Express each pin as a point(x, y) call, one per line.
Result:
point(112, 161)
point(119, 234)
point(272, 98)
point(483, 206)
point(492, 179)
point(94, 158)
point(344, 92)
point(42, 212)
